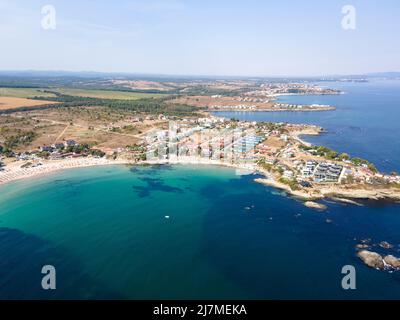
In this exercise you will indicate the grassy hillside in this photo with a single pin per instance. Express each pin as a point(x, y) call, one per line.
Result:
point(99, 94)
point(107, 94)
point(24, 93)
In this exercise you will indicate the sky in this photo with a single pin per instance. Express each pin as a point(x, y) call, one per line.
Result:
point(201, 37)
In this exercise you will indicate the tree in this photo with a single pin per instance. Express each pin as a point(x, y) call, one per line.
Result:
point(331, 154)
point(344, 156)
point(372, 167)
point(359, 161)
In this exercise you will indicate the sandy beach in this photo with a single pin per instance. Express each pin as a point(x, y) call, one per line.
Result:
point(13, 171)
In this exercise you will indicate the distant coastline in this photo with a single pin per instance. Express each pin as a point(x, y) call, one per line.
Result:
point(317, 109)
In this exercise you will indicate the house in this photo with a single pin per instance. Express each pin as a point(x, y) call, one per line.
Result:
point(309, 168)
point(305, 184)
point(46, 149)
point(70, 143)
point(58, 146)
point(22, 156)
point(288, 174)
point(327, 172)
point(307, 173)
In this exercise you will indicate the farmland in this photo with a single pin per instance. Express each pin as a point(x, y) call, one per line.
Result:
point(10, 103)
point(89, 93)
point(24, 92)
point(107, 94)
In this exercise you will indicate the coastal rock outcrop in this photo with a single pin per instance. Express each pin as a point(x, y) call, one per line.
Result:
point(362, 246)
point(392, 261)
point(371, 259)
point(315, 205)
point(385, 245)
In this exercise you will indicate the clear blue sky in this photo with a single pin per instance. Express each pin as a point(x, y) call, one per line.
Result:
point(203, 37)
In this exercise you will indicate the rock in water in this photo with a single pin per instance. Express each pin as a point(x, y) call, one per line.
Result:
point(315, 205)
point(368, 240)
point(392, 261)
point(371, 259)
point(385, 245)
point(362, 246)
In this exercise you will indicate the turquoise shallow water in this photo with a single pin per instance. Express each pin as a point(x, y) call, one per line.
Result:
point(105, 231)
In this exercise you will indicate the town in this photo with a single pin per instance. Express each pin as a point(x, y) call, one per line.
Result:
point(273, 149)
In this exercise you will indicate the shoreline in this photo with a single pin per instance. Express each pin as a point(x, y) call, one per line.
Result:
point(48, 167)
point(14, 172)
point(332, 192)
point(346, 196)
point(330, 108)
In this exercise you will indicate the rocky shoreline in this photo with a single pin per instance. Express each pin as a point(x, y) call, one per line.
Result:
point(379, 262)
point(335, 193)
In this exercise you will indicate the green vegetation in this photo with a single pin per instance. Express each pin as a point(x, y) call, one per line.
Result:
point(264, 165)
point(43, 154)
point(343, 156)
point(149, 106)
point(139, 151)
point(26, 165)
point(372, 167)
point(272, 126)
point(20, 138)
point(136, 148)
point(333, 155)
point(107, 94)
point(97, 153)
point(203, 90)
point(322, 152)
point(293, 184)
point(25, 93)
point(360, 162)
point(83, 149)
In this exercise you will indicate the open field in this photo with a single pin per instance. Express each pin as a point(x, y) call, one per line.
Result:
point(107, 94)
point(106, 128)
point(145, 85)
point(9, 103)
point(210, 102)
point(24, 92)
point(90, 93)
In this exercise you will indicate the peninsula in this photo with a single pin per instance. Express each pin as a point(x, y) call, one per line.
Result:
point(87, 127)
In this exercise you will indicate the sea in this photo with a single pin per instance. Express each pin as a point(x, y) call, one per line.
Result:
point(206, 232)
point(366, 122)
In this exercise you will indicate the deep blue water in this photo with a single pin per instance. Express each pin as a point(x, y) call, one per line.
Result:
point(228, 237)
point(105, 231)
point(365, 124)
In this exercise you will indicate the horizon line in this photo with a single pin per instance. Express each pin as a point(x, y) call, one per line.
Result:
point(180, 75)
